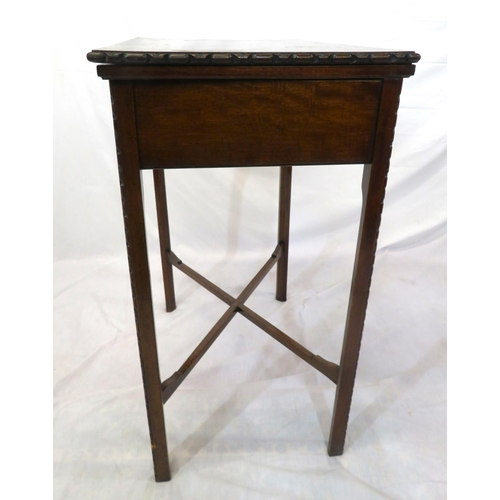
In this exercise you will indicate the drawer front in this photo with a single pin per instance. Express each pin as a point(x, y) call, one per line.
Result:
point(251, 123)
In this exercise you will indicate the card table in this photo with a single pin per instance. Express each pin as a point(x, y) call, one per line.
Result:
point(211, 104)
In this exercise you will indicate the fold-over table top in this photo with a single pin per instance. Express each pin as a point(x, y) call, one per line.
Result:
point(245, 53)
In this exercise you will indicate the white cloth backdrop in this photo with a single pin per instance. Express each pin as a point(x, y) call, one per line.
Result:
point(252, 420)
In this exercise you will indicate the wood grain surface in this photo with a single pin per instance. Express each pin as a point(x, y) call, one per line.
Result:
point(241, 123)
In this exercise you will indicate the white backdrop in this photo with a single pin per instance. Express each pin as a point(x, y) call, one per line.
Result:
point(251, 421)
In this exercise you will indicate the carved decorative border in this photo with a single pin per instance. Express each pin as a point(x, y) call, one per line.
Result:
point(252, 59)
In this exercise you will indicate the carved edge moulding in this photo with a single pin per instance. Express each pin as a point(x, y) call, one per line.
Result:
point(251, 58)
point(234, 53)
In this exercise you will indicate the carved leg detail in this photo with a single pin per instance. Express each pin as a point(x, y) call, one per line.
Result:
point(374, 183)
point(135, 232)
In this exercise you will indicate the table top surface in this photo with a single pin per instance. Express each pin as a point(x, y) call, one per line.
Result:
point(242, 52)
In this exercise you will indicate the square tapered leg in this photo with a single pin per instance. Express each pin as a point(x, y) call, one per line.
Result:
point(373, 186)
point(164, 233)
point(285, 195)
point(135, 233)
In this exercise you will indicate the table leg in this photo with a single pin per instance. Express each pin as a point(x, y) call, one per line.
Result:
point(164, 232)
point(135, 233)
point(283, 230)
point(373, 184)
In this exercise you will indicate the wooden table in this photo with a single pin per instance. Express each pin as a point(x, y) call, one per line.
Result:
point(205, 104)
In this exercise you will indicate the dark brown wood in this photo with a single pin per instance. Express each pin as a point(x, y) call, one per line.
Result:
point(285, 198)
point(135, 233)
point(138, 73)
point(164, 232)
point(172, 383)
point(256, 122)
point(327, 368)
point(216, 104)
point(242, 52)
point(374, 183)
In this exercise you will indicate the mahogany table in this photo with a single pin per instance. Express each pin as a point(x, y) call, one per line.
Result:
point(205, 104)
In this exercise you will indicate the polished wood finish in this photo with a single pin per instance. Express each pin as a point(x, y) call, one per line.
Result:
point(206, 105)
point(135, 233)
point(285, 198)
point(327, 368)
point(373, 186)
point(139, 73)
point(150, 51)
point(171, 384)
point(256, 123)
point(164, 232)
